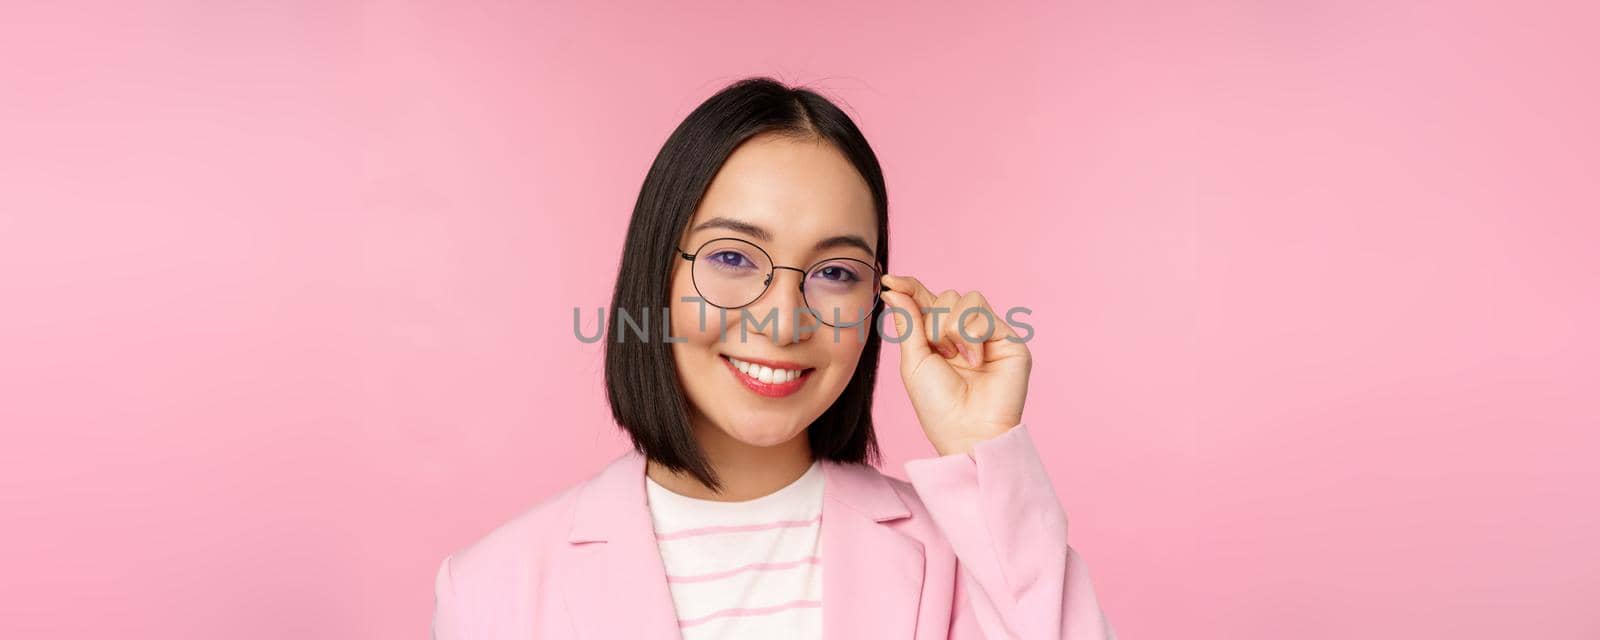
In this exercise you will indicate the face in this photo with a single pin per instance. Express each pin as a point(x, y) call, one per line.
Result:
point(786, 196)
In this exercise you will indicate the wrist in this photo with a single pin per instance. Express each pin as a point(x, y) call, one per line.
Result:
point(965, 443)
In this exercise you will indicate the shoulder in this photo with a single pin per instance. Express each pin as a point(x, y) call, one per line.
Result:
point(520, 538)
point(519, 549)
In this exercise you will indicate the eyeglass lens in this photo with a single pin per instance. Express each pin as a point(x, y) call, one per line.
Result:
point(731, 273)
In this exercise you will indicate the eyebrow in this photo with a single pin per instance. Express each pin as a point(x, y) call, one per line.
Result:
point(740, 226)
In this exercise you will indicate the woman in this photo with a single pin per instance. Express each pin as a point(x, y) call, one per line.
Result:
point(747, 507)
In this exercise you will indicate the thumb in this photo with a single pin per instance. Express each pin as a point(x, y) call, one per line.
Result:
point(908, 327)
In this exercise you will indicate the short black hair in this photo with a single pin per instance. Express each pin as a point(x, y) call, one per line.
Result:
point(646, 396)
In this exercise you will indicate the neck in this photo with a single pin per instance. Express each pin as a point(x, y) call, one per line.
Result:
point(746, 471)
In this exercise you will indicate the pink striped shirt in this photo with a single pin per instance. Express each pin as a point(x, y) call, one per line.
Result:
point(750, 569)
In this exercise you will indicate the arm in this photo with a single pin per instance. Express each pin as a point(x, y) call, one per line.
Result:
point(1017, 577)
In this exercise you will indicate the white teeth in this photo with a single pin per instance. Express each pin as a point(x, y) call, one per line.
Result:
point(765, 374)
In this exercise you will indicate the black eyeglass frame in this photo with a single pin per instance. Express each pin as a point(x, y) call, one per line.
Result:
point(766, 285)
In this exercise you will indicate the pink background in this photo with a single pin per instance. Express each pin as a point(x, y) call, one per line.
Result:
point(287, 292)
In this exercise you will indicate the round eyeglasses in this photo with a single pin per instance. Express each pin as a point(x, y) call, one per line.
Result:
point(730, 273)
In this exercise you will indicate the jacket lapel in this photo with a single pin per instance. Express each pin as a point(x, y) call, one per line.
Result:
point(871, 573)
point(612, 577)
point(616, 587)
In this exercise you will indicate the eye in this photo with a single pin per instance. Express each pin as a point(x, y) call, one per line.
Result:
point(730, 259)
point(836, 273)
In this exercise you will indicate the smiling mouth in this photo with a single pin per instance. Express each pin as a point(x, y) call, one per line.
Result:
point(767, 381)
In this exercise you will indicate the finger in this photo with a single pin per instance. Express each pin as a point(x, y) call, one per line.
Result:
point(926, 301)
point(912, 287)
point(940, 323)
point(959, 324)
point(908, 326)
point(968, 326)
point(983, 321)
point(979, 329)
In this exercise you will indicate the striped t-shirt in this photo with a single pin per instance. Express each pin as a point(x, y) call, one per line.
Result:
point(750, 569)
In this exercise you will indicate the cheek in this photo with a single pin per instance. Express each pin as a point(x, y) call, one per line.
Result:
point(686, 314)
point(843, 356)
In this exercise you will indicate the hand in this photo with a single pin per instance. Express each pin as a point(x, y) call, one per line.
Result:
point(964, 391)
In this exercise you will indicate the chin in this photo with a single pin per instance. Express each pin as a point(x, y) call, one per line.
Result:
point(759, 436)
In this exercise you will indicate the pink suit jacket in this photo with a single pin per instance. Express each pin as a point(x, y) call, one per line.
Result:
point(974, 546)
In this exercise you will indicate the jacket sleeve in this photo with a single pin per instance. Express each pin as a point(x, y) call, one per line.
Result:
point(1017, 577)
point(446, 616)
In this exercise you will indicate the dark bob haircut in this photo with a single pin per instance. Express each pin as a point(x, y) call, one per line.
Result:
point(642, 384)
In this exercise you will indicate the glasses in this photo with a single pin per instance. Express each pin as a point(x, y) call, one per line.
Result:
point(730, 273)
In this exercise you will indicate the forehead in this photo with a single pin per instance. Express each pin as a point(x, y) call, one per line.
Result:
point(800, 191)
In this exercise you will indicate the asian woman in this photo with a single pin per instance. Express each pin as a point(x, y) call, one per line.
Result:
point(749, 505)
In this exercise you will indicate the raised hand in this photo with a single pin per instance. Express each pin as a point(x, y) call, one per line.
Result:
point(964, 390)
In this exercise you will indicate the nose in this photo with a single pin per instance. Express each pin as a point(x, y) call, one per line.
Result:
point(781, 313)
